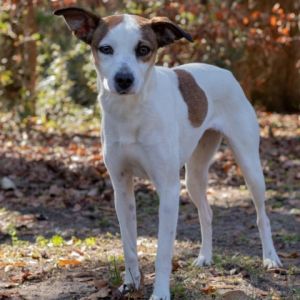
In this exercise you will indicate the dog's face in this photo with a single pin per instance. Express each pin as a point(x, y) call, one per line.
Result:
point(124, 47)
point(125, 54)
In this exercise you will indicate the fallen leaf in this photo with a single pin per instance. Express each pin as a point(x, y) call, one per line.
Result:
point(93, 192)
point(233, 271)
point(13, 264)
point(11, 296)
point(7, 285)
point(54, 190)
point(77, 252)
point(289, 255)
point(277, 271)
point(208, 290)
point(295, 211)
point(76, 208)
point(100, 283)
point(235, 295)
point(82, 274)
point(227, 166)
point(68, 262)
point(102, 293)
point(21, 277)
point(175, 264)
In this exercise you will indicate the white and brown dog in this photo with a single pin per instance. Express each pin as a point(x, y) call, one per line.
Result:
point(157, 119)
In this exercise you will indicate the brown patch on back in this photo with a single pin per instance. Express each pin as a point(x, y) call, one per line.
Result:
point(194, 97)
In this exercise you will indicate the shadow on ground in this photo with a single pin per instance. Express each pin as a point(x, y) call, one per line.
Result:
point(62, 187)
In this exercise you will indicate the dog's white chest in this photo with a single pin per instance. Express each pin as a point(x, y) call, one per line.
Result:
point(129, 139)
point(130, 122)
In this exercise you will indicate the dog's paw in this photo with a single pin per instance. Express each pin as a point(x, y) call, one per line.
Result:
point(164, 297)
point(202, 261)
point(123, 291)
point(272, 262)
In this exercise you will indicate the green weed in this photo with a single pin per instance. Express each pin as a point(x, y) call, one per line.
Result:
point(178, 291)
point(57, 241)
point(90, 241)
point(114, 270)
point(41, 241)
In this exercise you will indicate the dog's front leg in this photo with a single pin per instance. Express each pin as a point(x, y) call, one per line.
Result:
point(168, 215)
point(126, 213)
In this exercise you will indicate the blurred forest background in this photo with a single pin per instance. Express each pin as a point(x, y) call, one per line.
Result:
point(46, 72)
point(59, 235)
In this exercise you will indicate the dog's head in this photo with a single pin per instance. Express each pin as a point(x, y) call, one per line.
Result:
point(124, 47)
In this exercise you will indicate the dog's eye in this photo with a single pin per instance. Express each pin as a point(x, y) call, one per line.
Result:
point(108, 50)
point(142, 50)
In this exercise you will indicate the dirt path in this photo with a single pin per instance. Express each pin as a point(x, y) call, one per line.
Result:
point(59, 237)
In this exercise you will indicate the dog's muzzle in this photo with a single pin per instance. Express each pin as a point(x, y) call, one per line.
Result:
point(123, 82)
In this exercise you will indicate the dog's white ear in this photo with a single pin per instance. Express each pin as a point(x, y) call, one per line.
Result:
point(168, 32)
point(81, 22)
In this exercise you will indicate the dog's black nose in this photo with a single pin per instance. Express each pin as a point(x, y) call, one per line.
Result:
point(124, 81)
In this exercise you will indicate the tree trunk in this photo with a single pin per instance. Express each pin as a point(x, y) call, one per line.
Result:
point(292, 88)
point(30, 56)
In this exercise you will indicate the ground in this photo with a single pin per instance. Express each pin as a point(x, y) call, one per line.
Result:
point(59, 236)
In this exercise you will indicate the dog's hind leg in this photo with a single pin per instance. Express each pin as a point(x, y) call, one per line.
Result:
point(244, 141)
point(196, 182)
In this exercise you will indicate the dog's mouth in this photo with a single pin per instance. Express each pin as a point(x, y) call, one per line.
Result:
point(125, 92)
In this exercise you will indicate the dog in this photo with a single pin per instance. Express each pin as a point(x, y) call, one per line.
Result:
point(155, 120)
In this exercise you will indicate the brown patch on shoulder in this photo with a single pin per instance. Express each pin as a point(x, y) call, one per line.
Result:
point(194, 97)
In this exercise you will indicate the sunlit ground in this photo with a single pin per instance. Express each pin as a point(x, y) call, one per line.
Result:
point(60, 238)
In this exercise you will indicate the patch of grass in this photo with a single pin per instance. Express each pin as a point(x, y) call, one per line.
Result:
point(243, 238)
point(90, 241)
point(41, 241)
point(148, 203)
point(293, 270)
point(296, 292)
point(246, 264)
point(109, 235)
point(12, 231)
point(104, 222)
point(115, 270)
point(57, 241)
point(291, 238)
point(178, 291)
point(76, 241)
point(278, 201)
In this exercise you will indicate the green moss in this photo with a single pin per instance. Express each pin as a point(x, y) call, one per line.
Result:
point(57, 241)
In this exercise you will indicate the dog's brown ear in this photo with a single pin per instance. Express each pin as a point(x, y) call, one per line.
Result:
point(83, 23)
point(168, 32)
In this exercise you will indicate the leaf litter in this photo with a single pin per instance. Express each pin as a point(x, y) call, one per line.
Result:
point(58, 228)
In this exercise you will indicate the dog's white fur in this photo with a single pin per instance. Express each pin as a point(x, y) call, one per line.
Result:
point(147, 133)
